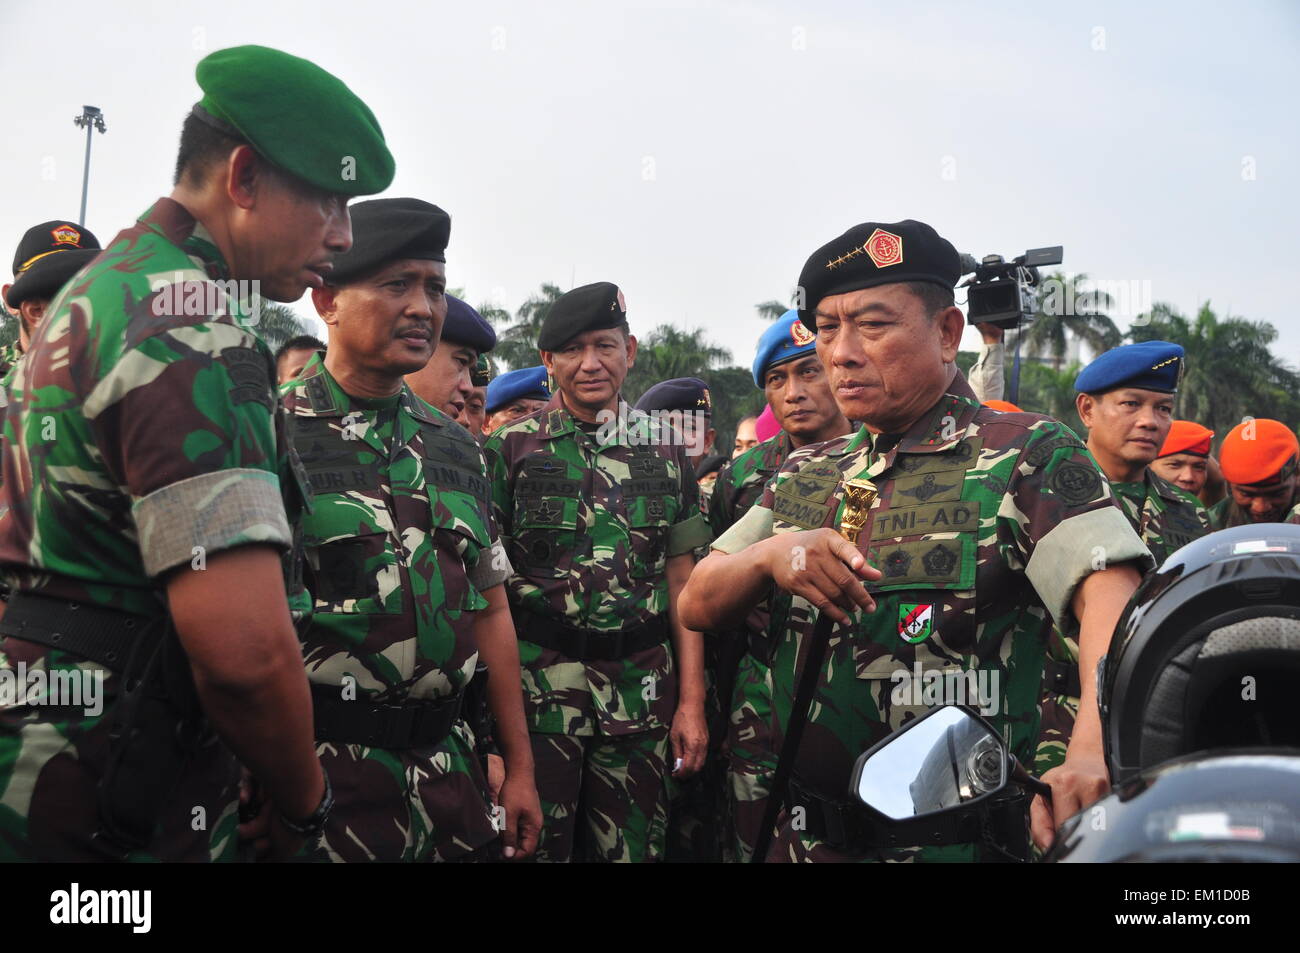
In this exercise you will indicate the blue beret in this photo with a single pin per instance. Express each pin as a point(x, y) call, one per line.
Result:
point(512, 385)
point(785, 340)
point(1149, 365)
point(466, 326)
point(680, 393)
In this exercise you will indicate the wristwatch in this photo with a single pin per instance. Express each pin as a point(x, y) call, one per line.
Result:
point(313, 825)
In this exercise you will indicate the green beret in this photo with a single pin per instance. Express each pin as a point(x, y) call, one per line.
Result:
point(298, 116)
point(593, 307)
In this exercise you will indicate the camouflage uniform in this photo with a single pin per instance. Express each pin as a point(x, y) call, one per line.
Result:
point(591, 514)
point(136, 438)
point(750, 756)
point(1226, 513)
point(1167, 519)
point(1294, 515)
point(9, 358)
point(983, 528)
point(397, 574)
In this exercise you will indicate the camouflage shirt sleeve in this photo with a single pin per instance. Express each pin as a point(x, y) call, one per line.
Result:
point(184, 425)
point(1059, 520)
point(492, 566)
point(691, 529)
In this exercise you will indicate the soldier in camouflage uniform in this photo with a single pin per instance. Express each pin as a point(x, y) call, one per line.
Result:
point(982, 532)
point(1260, 459)
point(1126, 400)
point(146, 483)
point(402, 561)
point(47, 256)
point(798, 390)
point(601, 513)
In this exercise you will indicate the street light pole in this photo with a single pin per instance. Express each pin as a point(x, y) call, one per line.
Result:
point(91, 118)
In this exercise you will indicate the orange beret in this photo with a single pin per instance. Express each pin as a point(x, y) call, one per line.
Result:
point(1259, 451)
point(1003, 405)
point(1187, 437)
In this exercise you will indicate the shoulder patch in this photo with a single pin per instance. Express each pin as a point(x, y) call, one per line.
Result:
point(1040, 453)
point(1075, 483)
point(250, 373)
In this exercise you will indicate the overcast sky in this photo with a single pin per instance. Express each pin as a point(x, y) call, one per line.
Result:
point(697, 153)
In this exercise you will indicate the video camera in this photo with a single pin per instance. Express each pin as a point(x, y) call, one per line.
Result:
point(1002, 292)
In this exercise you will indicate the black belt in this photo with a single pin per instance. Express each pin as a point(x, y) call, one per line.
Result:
point(586, 643)
point(106, 636)
point(411, 725)
point(1061, 678)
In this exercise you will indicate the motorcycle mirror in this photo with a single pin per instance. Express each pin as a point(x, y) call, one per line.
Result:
point(947, 757)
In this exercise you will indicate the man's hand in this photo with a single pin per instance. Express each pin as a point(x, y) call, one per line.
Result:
point(496, 774)
point(1079, 782)
point(523, 812)
point(991, 333)
point(689, 740)
point(823, 567)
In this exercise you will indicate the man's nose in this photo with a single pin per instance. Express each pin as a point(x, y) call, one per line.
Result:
point(338, 236)
point(846, 351)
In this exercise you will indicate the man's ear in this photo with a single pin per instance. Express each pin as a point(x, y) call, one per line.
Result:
point(1086, 405)
point(631, 351)
point(325, 300)
point(951, 325)
point(243, 176)
point(548, 361)
point(30, 313)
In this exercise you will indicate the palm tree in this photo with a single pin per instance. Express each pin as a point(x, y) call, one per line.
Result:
point(1230, 373)
point(1047, 391)
point(771, 310)
point(277, 323)
point(1062, 310)
point(517, 344)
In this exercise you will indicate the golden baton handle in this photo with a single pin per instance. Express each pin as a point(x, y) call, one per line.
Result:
point(858, 497)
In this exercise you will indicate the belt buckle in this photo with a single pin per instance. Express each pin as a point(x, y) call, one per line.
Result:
point(395, 723)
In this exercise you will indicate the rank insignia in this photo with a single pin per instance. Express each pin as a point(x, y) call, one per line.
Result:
point(915, 622)
point(939, 561)
point(897, 563)
point(800, 334)
point(654, 509)
point(546, 512)
point(884, 248)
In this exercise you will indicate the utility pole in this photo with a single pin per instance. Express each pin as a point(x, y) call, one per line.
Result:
point(91, 118)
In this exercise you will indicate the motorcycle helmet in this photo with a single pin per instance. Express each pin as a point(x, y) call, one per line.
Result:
point(1207, 652)
point(1217, 807)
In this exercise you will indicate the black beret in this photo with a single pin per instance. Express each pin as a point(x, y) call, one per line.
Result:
point(388, 230)
point(681, 393)
point(48, 255)
point(593, 307)
point(466, 326)
point(876, 253)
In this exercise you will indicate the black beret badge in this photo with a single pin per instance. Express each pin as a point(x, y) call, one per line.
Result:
point(882, 247)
